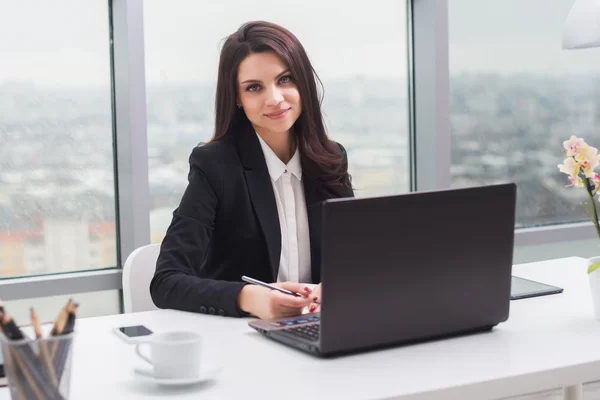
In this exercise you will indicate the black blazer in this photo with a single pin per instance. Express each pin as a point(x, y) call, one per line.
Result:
point(227, 226)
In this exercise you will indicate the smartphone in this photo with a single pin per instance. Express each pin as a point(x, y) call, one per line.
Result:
point(132, 334)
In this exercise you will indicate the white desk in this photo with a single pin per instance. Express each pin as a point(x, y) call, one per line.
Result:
point(548, 342)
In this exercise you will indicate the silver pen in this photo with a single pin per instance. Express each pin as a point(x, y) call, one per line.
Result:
point(261, 283)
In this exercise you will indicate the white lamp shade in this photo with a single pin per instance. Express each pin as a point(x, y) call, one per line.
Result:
point(582, 27)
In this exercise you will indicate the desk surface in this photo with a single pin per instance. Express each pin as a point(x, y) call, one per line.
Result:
point(547, 342)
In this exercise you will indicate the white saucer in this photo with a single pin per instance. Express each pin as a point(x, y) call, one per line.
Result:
point(206, 373)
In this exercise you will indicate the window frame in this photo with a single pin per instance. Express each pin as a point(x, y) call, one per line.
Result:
point(130, 154)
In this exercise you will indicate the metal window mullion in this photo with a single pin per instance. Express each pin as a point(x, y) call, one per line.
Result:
point(131, 148)
point(430, 133)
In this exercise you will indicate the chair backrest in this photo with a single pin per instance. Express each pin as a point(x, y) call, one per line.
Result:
point(138, 271)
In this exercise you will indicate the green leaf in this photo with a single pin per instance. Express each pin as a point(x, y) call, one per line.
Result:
point(593, 266)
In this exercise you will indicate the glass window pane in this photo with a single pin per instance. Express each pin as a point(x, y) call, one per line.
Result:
point(57, 199)
point(515, 97)
point(358, 50)
point(93, 304)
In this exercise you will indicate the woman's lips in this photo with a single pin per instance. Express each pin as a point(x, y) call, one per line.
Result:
point(278, 114)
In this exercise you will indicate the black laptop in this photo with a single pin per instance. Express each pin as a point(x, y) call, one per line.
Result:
point(408, 268)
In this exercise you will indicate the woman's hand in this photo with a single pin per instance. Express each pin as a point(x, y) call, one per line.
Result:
point(265, 303)
point(315, 305)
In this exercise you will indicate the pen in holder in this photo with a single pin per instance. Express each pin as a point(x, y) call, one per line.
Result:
point(38, 369)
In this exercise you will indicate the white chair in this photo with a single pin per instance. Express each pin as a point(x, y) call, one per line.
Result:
point(137, 274)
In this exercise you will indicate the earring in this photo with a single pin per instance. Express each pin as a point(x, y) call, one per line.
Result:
point(239, 106)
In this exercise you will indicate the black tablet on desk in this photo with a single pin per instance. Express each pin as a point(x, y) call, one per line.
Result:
point(522, 288)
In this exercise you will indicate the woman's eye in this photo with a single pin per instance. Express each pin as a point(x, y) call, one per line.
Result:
point(285, 79)
point(252, 88)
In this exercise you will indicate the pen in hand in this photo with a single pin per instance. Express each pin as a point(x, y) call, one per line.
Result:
point(273, 287)
point(264, 284)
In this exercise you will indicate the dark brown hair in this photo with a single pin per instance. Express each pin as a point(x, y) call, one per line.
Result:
point(321, 159)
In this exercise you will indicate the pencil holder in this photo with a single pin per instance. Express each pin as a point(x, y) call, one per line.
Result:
point(38, 369)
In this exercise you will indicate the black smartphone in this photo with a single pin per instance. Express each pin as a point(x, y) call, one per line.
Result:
point(133, 333)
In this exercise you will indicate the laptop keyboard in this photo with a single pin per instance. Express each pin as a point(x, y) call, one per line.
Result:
point(308, 332)
point(301, 327)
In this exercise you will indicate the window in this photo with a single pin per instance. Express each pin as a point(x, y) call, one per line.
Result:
point(56, 159)
point(515, 97)
point(358, 50)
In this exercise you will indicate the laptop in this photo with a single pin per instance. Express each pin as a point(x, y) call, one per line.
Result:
point(407, 268)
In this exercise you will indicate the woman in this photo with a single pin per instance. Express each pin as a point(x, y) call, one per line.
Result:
point(252, 203)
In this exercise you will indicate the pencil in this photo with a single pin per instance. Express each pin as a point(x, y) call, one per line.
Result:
point(71, 318)
point(11, 330)
point(59, 326)
point(44, 354)
point(61, 319)
point(65, 344)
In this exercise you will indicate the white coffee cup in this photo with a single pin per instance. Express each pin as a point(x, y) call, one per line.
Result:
point(173, 354)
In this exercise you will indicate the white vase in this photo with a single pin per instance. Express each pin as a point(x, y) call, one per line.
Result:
point(594, 279)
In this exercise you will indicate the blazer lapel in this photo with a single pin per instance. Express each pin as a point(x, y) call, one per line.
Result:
point(261, 192)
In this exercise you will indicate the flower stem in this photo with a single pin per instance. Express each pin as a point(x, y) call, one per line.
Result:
point(595, 216)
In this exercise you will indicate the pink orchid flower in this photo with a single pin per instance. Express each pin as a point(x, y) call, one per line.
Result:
point(588, 158)
point(574, 145)
point(570, 167)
